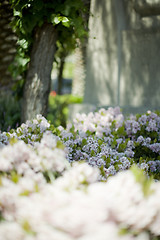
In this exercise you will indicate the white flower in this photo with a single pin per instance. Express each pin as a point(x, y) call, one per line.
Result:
point(10, 231)
point(49, 140)
point(79, 174)
point(108, 231)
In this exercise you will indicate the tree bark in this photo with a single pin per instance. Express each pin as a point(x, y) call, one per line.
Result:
point(38, 79)
point(8, 46)
point(60, 75)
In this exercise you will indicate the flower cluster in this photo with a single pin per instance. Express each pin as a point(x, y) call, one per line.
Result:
point(77, 207)
point(25, 160)
point(104, 139)
point(50, 190)
point(30, 132)
point(3, 139)
point(107, 140)
point(98, 122)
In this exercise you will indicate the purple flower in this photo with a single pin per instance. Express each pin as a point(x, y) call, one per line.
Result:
point(152, 126)
point(155, 147)
point(152, 165)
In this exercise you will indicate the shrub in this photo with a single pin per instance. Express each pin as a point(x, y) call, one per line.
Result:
point(107, 140)
point(44, 196)
point(58, 108)
point(39, 192)
point(9, 111)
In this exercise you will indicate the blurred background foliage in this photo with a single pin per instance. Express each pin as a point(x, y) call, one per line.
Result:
point(10, 115)
point(58, 108)
point(69, 19)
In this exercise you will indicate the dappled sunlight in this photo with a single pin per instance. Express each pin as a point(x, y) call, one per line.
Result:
point(123, 55)
point(101, 67)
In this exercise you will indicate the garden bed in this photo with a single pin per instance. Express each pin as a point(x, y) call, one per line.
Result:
point(97, 179)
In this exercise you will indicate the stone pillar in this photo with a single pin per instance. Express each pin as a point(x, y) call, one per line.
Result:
point(102, 58)
point(78, 82)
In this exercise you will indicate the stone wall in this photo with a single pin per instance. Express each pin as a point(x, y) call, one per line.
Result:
point(123, 55)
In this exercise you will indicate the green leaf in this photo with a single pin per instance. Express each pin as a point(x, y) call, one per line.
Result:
point(123, 231)
point(38, 5)
point(121, 131)
point(14, 177)
point(60, 145)
point(27, 228)
point(25, 193)
point(13, 140)
point(17, 13)
point(92, 153)
point(114, 143)
point(142, 180)
point(102, 171)
point(84, 142)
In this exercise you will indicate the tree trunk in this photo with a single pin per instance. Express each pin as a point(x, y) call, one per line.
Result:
point(60, 75)
point(38, 80)
point(8, 41)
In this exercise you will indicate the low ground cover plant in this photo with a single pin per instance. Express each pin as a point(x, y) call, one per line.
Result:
point(107, 140)
point(97, 179)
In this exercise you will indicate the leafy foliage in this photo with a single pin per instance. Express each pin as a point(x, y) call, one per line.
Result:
point(57, 111)
point(107, 140)
point(9, 112)
point(58, 108)
point(66, 17)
